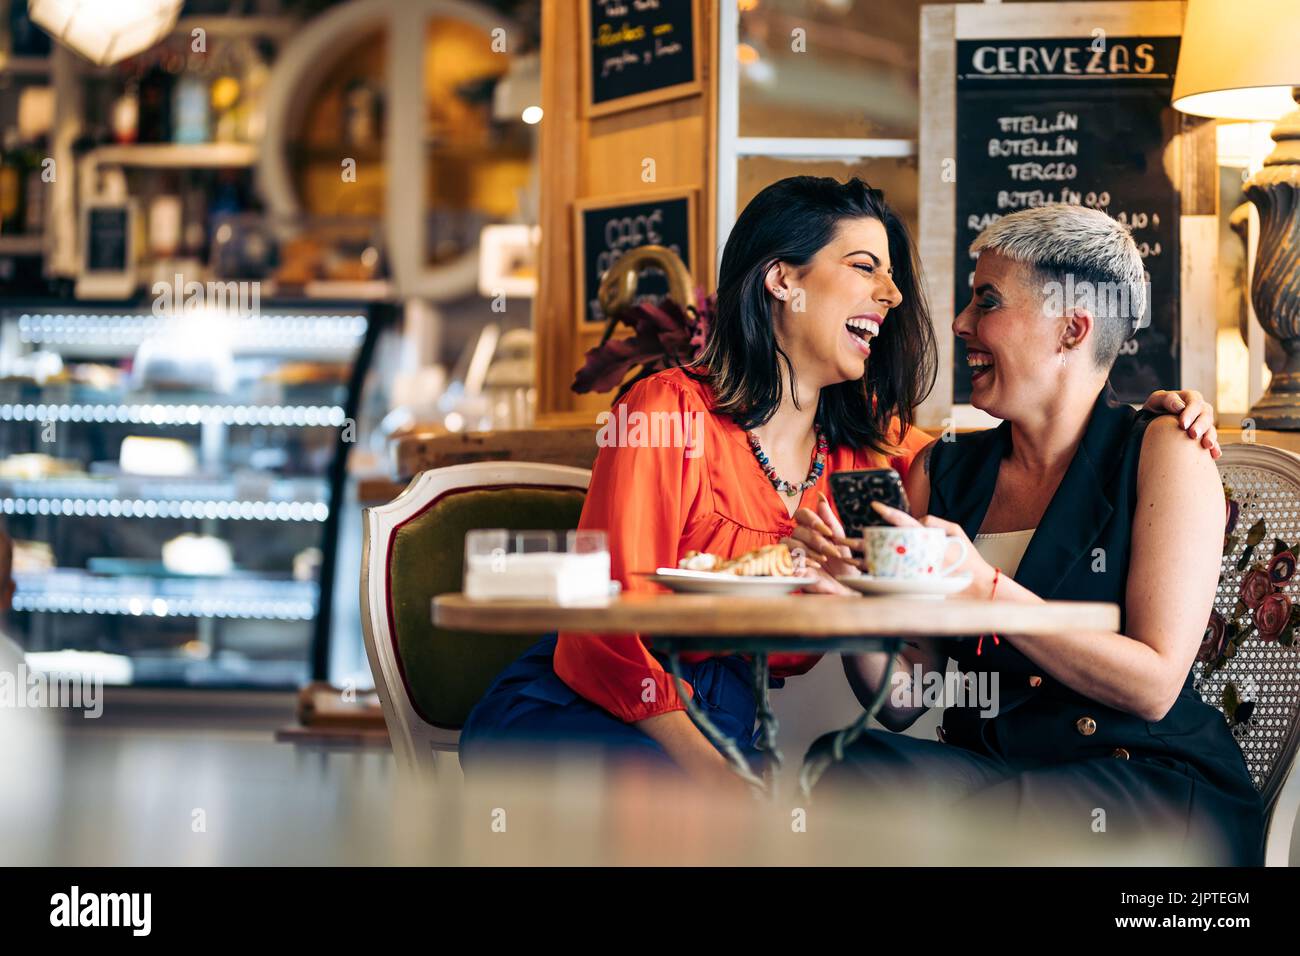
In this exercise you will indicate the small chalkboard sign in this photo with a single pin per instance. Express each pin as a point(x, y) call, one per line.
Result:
point(607, 228)
point(638, 52)
point(107, 239)
point(107, 250)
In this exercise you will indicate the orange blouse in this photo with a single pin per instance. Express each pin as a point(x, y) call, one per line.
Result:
point(659, 495)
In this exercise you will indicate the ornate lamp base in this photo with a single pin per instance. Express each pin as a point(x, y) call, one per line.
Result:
point(1275, 289)
point(1279, 407)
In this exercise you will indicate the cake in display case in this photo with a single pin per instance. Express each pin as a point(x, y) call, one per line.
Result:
point(171, 484)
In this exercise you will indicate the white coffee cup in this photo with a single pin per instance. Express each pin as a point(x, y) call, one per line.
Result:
point(893, 552)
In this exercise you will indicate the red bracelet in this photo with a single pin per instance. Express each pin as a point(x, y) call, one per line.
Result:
point(979, 648)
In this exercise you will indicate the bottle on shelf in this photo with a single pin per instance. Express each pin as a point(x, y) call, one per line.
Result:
point(6, 36)
point(255, 74)
point(13, 181)
point(125, 119)
point(191, 105)
point(195, 237)
point(226, 95)
point(165, 224)
point(36, 189)
point(155, 98)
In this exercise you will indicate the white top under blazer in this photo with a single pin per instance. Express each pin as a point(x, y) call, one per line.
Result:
point(1005, 549)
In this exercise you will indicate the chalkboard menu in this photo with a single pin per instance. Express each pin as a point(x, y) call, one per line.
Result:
point(106, 240)
point(606, 232)
point(1085, 121)
point(639, 52)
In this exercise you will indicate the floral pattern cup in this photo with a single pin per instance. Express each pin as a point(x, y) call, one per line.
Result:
point(893, 552)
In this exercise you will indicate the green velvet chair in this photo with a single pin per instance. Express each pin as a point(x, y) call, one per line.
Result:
point(429, 678)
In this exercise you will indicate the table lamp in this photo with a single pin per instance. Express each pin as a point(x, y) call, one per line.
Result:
point(1239, 62)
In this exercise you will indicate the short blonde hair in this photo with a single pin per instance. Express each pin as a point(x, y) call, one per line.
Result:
point(1082, 249)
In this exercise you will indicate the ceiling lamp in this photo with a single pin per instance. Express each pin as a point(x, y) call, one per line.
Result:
point(103, 32)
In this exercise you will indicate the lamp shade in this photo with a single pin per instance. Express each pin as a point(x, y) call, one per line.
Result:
point(106, 31)
point(1239, 60)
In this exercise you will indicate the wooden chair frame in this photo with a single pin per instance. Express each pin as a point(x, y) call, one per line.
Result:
point(416, 742)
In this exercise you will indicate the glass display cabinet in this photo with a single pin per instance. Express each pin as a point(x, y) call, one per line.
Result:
point(172, 483)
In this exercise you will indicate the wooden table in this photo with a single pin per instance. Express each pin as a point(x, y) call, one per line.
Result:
point(809, 623)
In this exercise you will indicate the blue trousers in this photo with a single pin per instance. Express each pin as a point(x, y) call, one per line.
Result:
point(528, 710)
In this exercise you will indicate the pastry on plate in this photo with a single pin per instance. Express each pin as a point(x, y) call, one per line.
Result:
point(773, 560)
point(699, 561)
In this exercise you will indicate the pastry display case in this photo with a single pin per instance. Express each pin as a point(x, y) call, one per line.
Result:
point(172, 483)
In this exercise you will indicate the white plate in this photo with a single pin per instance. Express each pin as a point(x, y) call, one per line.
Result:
point(918, 587)
point(711, 582)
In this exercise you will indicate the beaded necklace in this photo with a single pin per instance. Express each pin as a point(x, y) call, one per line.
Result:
point(780, 484)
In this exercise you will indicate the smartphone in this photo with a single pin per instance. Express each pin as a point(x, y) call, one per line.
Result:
point(854, 491)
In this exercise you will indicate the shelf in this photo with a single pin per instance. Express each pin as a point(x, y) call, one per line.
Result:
point(302, 416)
point(176, 155)
point(368, 290)
point(268, 333)
point(22, 245)
point(70, 591)
point(37, 66)
point(230, 26)
point(151, 497)
point(227, 672)
point(148, 508)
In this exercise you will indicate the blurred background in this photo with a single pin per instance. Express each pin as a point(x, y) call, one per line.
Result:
point(242, 245)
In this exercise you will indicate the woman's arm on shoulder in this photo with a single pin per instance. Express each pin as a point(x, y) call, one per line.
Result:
point(1195, 416)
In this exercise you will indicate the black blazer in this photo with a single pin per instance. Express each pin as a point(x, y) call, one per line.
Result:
point(1080, 551)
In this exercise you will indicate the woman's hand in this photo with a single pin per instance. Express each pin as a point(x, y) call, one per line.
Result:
point(980, 571)
point(686, 744)
point(815, 536)
point(1195, 415)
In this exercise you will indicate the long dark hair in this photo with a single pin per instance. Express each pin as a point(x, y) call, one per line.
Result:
point(790, 221)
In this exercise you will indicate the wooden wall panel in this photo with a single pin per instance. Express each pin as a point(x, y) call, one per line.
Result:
point(602, 156)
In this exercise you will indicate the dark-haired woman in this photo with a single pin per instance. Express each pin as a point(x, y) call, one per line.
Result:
point(821, 349)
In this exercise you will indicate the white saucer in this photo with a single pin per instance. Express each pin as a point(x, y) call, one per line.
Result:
point(711, 582)
point(919, 587)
